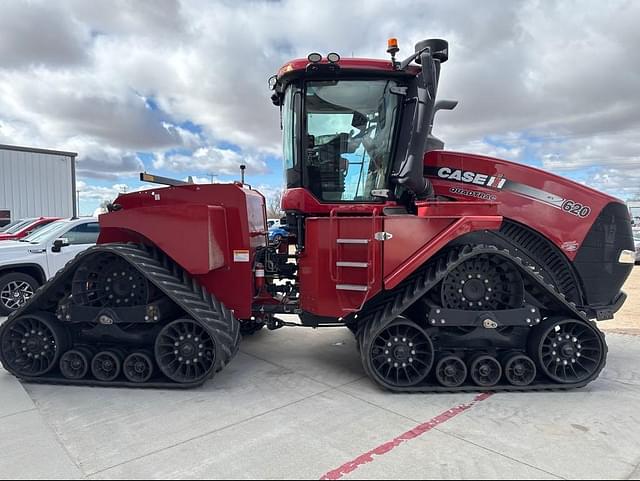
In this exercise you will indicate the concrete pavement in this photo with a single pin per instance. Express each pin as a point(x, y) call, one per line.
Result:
point(295, 403)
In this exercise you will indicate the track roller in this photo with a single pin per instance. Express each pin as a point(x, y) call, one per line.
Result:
point(106, 365)
point(519, 369)
point(185, 351)
point(485, 370)
point(568, 350)
point(32, 344)
point(75, 363)
point(138, 367)
point(451, 371)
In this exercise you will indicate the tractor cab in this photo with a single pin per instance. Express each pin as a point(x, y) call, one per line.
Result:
point(355, 130)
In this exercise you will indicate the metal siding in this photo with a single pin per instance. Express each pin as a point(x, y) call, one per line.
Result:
point(34, 184)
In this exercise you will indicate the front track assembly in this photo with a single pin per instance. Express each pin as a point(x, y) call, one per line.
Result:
point(477, 319)
point(120, 315)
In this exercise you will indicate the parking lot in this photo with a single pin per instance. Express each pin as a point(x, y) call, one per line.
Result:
point(295, 404)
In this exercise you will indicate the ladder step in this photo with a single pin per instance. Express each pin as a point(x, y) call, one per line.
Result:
point(363, 265)
point(352, 241)
point(352, 287)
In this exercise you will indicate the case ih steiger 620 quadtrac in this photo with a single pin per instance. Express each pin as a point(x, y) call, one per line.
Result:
point(454, 271)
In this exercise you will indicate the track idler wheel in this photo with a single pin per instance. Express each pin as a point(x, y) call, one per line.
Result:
point(451, 371)
point(75, 364)
point(138, 367)
point(32, 344)
point(485, 371)
point(568, 350)
point(401, 354)
point(519, 369)
point(106, 365)
point(185, 351)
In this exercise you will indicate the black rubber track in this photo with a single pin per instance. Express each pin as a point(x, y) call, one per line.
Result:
point(383, 309)
point(171, 280)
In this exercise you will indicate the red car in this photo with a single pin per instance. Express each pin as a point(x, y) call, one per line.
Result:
point(25, 227)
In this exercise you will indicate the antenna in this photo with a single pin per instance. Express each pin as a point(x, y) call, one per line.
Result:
point(242, 169)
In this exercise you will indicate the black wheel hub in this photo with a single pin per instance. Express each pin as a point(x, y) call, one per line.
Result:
point(569, 350)
point(520, 370)
point(474, 290)
point(451, 371)
point(486, 371)
point(105, 366)
point(185, 351)
point(107, 280)
point(138, 367)
point(74, 364)
point(401, 354)
point(31, 344)
point(483, 283)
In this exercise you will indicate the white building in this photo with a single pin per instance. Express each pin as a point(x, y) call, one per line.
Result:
point(36, 182)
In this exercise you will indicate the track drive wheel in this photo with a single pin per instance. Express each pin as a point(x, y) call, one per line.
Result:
point(482, 283)
point(185, 351)
point(32, 344)
point(108, 280)
point(400, 354)
point(568, 350)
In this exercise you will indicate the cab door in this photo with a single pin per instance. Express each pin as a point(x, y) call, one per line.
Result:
point(342, 265)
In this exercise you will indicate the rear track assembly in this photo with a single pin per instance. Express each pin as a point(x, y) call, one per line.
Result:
point(147, 324)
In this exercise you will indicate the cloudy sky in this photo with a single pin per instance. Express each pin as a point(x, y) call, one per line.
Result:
point(179, 88)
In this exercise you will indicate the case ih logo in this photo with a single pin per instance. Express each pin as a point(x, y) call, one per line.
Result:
point(469, 177)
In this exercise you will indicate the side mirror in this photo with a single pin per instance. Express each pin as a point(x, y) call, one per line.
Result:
point(58, 244)
point(446, 105)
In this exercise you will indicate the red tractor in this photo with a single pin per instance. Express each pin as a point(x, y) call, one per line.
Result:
point(454, 271)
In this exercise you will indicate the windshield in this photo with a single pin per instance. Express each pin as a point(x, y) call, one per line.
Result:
point(48, 231)
point(10, 225)
point(18, 226)
point(350, 126)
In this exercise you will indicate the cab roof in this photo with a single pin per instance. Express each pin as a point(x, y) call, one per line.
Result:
point(354, 65)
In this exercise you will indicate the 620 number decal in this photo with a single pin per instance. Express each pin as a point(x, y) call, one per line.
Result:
point(575, 208)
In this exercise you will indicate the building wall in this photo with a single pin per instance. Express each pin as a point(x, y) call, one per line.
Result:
point(36, 184)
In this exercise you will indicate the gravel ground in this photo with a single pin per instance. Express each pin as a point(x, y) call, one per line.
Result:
point(627, 320)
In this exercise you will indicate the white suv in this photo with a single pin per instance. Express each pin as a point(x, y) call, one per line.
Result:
point(28, 263)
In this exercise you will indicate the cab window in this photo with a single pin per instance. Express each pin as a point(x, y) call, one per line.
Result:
point(83, 234)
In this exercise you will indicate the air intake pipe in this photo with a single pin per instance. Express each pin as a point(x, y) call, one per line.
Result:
point(409, 173)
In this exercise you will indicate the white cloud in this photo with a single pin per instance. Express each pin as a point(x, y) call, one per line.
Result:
point(209, 159)
point(561, 73)
point(89, 192)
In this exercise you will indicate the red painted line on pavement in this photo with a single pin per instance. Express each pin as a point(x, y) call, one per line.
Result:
point(419, 430)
